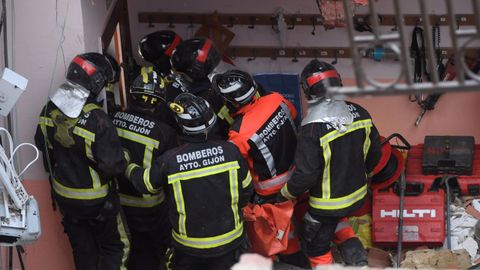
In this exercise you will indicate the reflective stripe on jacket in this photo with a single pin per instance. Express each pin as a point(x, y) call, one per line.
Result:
point(265, 133)
point(333, 165)
point(208, 183)
point(81, 172)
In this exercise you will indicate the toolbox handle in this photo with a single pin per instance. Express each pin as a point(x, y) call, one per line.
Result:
point(411, 188)
point(406, 144)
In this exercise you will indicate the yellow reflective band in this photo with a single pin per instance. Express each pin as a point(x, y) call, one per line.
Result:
point(208, 242)
point(132, 136)
point(46, 121)
point(248, 179)
point(124, 239)
point(95, 178)
point(350, 128)
point(142, 202)
point(147, 157)
point(129, 169)
point(43, 123)
point(88, 150)
point(80, 193)
point(87, 135)
point(233, 177)
point(90, 107)
point(182, 218)
point(338, 203)
point(327, 155)
point(145, 71)
point(367, 142)
point(203, 171)
point(146, 181)
point(285, 193)
point(224, 114)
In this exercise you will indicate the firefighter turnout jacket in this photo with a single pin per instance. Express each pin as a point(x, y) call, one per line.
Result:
point(208, 183)
point(264, 131)
point(146, 138)
point(334, 165)
point(85, 154)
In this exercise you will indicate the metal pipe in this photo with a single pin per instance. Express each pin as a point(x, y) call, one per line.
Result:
point(453, 25)
point(405, 57)
point(355, 55)
point(476, 10)
point(374, 17)
point(10, 119)
point(429, 42)
point(404, 89)
point(380, 37)
point(400, 219)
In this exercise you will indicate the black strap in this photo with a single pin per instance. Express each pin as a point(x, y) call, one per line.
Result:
point(417, 51)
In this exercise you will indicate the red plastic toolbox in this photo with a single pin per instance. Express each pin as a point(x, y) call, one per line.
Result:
point(423, 217)
point(465, 184)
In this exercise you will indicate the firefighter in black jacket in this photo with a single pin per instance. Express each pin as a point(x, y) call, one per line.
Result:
point(146, 138)
point(338, 147)
point(192, 62)
point(208, 183)
point(82, 153)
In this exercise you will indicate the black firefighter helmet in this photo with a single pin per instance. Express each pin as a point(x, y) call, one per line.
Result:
point(148, 89)
point(196, 58)
point(193, 114)
point(91, 71)
point(316, 77)
point(158, 47)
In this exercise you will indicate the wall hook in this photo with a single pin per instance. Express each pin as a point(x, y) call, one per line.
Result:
point(252, 22)
point(314, 19)
point(295, 59)
point(254, 55)
point(458, 22)
point(335, 54)
point(233, 54)
point(292, 26)
point(231, 21)
point(150, 22)
point(171, 19)
point(395, 27)
point(190, 20)
point(274, 54)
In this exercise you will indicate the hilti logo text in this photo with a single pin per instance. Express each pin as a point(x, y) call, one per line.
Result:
point(408, 213)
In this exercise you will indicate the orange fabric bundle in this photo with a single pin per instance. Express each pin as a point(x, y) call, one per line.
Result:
point(268, 226)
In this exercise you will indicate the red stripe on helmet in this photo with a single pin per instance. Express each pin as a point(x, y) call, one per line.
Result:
point(85, 65)
point(172, 46)
point(202, 54)
point(320, 76)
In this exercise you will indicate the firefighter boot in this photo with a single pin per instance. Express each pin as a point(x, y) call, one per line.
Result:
point(353, 252)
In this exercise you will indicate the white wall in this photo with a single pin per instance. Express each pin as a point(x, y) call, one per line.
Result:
point(42, 51)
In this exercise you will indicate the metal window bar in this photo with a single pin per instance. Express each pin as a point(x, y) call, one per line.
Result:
point(404, 84)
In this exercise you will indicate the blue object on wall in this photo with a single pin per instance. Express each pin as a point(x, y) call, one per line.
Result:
point(286, 84)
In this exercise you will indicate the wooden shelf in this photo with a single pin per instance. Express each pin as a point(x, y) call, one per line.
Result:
point(292, 20)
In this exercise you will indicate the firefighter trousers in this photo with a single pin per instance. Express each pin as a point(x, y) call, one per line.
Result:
point(184, 261)
point(98, 244)
point(150, 238)
point(317, 234)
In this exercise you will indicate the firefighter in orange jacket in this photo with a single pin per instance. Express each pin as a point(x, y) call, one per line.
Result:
point(338, 147)
point(264, 131)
